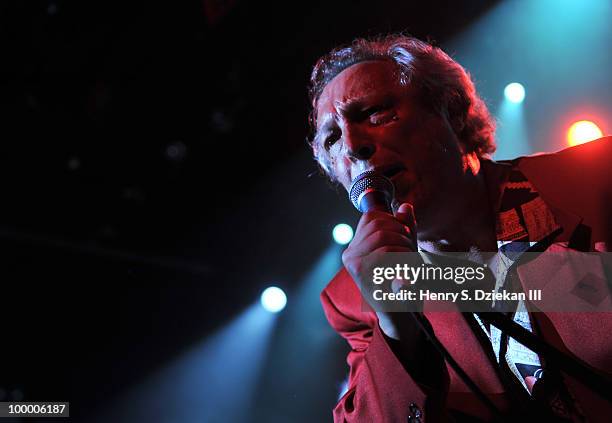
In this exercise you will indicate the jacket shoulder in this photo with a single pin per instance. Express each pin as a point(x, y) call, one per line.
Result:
point(577, 180)
point(571, 165)
point(595, 154)
point(345, 310)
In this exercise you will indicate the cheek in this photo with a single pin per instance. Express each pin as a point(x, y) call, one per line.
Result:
point(336, 168)
point(434, 146)
point(342, 172)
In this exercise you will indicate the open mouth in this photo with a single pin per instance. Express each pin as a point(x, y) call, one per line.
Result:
point(393, 170)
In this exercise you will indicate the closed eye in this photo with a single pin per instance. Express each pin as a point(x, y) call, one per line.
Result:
point(381, 117)
point(330, 139)
point(377, 114)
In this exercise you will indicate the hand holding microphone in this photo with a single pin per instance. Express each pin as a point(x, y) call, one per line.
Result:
point(380, 231)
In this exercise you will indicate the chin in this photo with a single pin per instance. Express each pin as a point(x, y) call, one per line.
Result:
point(405, 193)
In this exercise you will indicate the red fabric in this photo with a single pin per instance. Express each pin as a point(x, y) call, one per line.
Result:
point(576, 184)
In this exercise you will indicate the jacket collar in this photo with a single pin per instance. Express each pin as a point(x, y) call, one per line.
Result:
point(520, 212)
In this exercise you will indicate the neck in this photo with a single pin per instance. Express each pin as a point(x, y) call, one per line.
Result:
point(463, 222)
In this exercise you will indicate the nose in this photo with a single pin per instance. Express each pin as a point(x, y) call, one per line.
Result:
point(359, 147)
point(363, 152)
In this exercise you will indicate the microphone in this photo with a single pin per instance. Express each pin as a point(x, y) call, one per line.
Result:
point(372, 191)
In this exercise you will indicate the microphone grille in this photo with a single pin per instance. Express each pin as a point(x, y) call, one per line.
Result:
point(370, 180)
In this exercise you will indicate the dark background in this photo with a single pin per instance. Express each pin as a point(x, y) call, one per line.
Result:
point(155, 178)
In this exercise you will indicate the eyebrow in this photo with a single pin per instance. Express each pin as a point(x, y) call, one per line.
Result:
point(354, 107)
point(350, 109)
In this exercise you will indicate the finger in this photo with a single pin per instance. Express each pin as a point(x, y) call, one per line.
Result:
point(405, 214)
point(393, 249)
point(365, 220)
point(388, 224)
point(369, 216)
point(381, 239)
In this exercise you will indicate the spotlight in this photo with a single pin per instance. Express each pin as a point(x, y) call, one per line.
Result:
point(273, 299)
point(583, 131)
point(514, 92)
point(342, 233)
point(176, 151)
point(74, 163)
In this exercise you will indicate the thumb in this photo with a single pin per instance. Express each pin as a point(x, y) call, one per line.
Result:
point(405, 214)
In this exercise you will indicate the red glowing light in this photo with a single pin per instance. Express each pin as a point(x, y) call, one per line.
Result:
point(583, 131)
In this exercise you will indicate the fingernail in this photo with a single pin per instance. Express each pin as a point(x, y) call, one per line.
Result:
point(405, 208)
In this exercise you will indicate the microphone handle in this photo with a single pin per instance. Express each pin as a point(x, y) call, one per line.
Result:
point(373, 200)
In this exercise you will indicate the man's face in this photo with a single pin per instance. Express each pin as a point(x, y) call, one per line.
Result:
point(366, 120)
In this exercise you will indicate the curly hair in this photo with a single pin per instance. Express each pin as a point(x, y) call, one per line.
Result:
point(443, 84)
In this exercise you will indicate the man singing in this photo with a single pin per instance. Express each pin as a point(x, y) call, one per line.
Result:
point(404, 109)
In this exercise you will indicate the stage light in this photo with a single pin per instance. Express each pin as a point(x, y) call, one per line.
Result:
point(176, 151)
point(583, 131)
point(74, 163)
point(273, 299)
point(514, 92)
point(342, 233)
